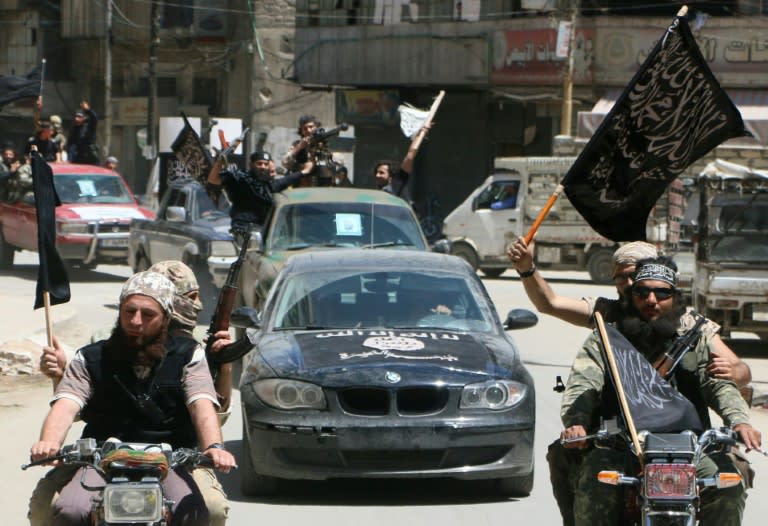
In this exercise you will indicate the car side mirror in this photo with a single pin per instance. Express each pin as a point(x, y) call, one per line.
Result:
point(520, 319)
point(442, 246)
point(245, 318)
point(176, 214)
point(257, 243)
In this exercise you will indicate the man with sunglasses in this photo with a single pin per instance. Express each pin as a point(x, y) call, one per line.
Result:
point(723, 362)
point(653, 309)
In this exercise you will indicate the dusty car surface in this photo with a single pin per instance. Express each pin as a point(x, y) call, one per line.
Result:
point(92, 222)
point(189, 227)
point(383, 364)
point(307, 219)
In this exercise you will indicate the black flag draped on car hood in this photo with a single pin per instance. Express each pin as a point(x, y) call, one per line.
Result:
point(672, 113)
point(653, 403)
point(15, 87)
point(191, 153)
point(51, 274)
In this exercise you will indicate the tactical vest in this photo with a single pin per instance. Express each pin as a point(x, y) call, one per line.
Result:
point(154, 411)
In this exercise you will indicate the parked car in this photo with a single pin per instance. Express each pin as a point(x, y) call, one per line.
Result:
point(384, 363)
point(189, 227)
point(314, 218)
point(92, 222)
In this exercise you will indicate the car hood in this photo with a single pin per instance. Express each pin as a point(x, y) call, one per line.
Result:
point(345, 357)
point(216, 227)
point(104, 212)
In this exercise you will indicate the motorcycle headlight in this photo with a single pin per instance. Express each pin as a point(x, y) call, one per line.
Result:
point(496, 394)
point(290, 394)
point(133, 503)
point(670, 481)
point(223, 249)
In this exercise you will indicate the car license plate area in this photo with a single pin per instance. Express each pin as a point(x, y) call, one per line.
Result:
point(118, 242)
point(760, 312)
point(390, 438)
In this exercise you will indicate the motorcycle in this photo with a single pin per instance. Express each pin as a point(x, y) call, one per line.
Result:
point(132, 493)
point(666, 492)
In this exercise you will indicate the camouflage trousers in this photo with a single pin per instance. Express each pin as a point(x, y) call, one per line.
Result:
point(596, 504)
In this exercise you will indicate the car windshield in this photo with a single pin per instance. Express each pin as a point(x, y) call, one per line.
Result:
point(344, 225)
point(91, 188)
point(360, 299)
point(740, 233)
point(207, 208)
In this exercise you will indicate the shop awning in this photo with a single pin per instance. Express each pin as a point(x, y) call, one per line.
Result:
point(753, 105)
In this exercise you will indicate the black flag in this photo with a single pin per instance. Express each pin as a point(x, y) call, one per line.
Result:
point(51, 274)
point(672, 113)
point(15, 87)
point(654, 404)
point(191, 153)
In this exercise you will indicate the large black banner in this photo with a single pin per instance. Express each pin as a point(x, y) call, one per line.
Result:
point(653, 403)
point(51, 274)
point(672, 113)
point(193, 156)
point(15, 87)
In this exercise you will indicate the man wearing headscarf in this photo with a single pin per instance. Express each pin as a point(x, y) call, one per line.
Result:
point(186, 308)
point(723, 362)
point(103, 380)
point(651, 320)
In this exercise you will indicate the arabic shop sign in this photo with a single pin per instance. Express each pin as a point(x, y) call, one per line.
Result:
point(531, 57)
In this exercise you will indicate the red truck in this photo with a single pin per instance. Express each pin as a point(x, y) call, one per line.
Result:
point(92, 222)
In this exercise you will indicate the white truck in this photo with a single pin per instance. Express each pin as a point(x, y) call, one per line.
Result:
point(731, 277)
point(491, 218)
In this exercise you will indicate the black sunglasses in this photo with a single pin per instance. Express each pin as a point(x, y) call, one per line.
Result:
point(661, 293)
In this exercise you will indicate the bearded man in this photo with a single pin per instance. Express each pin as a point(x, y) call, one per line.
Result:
point(250, 192)
point(653, 318)
point(104, 380)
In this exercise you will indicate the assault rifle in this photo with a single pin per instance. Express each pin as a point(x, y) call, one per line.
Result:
point(322, 135)
point(667, 362)
point(221, 316)
point(228, 147)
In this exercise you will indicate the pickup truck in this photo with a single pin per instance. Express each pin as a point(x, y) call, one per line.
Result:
point(731, 276)
point(189, 227)
point(92, 222)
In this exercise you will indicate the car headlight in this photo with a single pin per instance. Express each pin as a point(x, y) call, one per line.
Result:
point(223, 249)
point(495, 394)
point(290, 394)
point(67, 228)
point(133, 503)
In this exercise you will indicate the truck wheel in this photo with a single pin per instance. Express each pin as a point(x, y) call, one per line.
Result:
point(465, 252)
point(6, 254)
point(493, 272)
point(600, 266)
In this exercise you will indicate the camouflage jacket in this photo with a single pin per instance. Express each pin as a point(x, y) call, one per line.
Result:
point(582, 396)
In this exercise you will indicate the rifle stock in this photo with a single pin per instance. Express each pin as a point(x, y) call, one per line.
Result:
point(226, 300)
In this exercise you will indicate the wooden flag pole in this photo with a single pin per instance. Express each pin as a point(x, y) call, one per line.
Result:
point(619, 387)
point(48, 318)
point(416, 142)
point(543, 214)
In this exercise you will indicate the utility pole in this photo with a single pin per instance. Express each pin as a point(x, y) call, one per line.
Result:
point(108, 80)
point(567, 110)
point(154, 43)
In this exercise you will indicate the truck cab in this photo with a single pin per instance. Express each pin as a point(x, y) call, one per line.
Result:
point(731, 276)
point(506, 205)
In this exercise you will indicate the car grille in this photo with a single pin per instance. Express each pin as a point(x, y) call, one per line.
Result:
point(371, 401)
point(394, 460)
point(111, 227)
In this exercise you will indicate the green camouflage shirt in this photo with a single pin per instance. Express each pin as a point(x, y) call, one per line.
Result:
point(582, 396)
